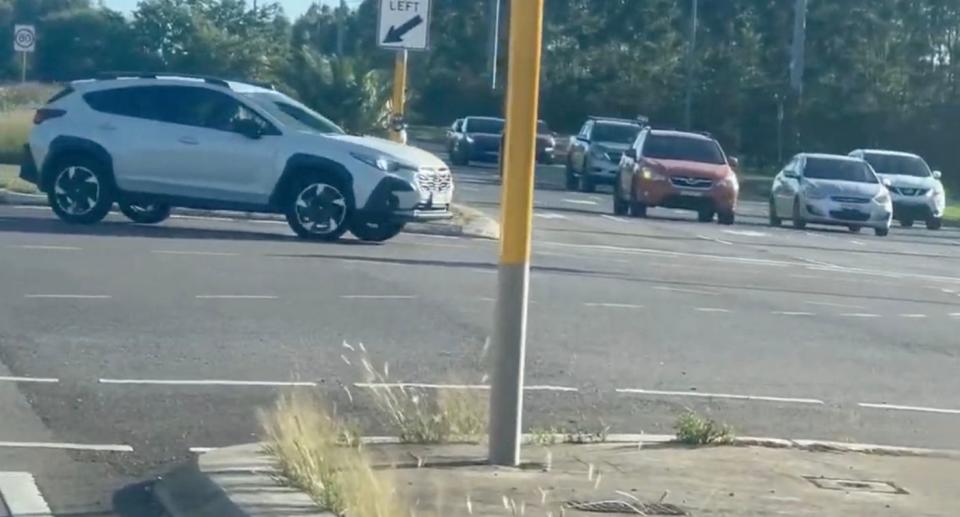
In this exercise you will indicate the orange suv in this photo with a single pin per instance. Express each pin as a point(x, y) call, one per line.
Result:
point(676, 169)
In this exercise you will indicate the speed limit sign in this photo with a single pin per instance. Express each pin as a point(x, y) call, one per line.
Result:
point(24, 38)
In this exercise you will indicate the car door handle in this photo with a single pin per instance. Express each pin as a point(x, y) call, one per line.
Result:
point(189, 140)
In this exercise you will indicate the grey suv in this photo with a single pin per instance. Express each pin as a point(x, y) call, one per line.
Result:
point(595, 152)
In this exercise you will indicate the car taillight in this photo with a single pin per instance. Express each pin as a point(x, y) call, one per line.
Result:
point(45, 114)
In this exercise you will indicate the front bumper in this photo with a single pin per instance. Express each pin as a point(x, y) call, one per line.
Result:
point(719, 198)
point(602, 171)
point(421, 213)
point(828, 211)
point(916, 207)
point(396, 200)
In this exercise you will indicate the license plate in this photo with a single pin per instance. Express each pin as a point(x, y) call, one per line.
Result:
point(692, 193)
point(440, 198)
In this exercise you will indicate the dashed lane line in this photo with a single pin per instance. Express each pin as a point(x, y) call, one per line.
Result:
point(195, 253)
point(43, 247)
point(98, 447)
point(206, 382)
point(687, 291)
point(236, 297)
point(580, 202)
point(68, 296)
point(666, 253)
point(792, 313)
point(913, 316)
point(432, 386)
point(700, 394)
point(548, 215)
point(714, 239)
point(613, 305)
point(378, 297)
point(711, 309)
point(920, 409)
point(866, 315)
point(831, 304)
point(22, 497)
point(40, 380)
point(614, 218)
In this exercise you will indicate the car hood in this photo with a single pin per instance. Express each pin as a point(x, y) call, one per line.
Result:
point(696, 169)
point(407, 154)
point(611, 146)
point(485, 136)
point(845, 188)
point(903, 181)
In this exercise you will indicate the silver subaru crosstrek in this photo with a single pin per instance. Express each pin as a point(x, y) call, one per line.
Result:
point(833, 190)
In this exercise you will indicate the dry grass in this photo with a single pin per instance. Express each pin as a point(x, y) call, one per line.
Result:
point(426, 416)
point(9, 180)
point(693, 429)
point(318, 453)
point(14, 130)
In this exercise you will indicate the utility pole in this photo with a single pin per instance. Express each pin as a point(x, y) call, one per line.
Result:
point(341, 19)
point(691, 64)
point(513, 280)
point(493, 43)
point(798, 60)
point(397, 131)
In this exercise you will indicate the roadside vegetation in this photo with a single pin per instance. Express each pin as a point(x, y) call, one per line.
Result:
point(694, 429)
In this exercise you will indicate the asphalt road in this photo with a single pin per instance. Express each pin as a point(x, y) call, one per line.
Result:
point(145, 342)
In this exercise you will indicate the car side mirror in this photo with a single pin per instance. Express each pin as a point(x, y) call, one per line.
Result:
point(733, 161)
point(886, 182)
point(937, 175)
point(791, 174)
point(630, 153)
point(248, 128)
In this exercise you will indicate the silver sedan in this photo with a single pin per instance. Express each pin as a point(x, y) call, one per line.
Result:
point(831, 189)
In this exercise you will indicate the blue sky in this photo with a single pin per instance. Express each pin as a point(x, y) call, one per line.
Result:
point(293, 8)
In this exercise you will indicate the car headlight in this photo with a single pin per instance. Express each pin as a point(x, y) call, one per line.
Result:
point(469, 139)
point(650, 174)
point(812, 192)
point(882, 197)
point(381, 162)
point(730, 181)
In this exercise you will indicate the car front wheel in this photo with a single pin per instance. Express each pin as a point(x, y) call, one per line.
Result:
point(318, 209)
point(726, 218)
point(798, 221)
point(881, 232)
point(934, 223)
point(774, 218)
point(620, 207)
point(80, 192)
point(146, 213)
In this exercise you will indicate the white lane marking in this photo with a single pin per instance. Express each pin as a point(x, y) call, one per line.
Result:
point(31, 207)
point(831, 304)
point(201, 450)
point(265, 221)
point(487, 299)
point(41, 380)
point(665, 253)
point(792, 313)
point(699, 394)
point(710, 309)
point(204, 218)
point(580, 202)
point(205, 382)
point(913, 316)
point(860, 315)
point(858, 243)
point(43, 247)
point(68, 446)
point(714, 239)
point(921, 409)
point(955, 314)
point(948, 291)
point(613, 305)
point(745, 233)
point(431, 386)
point(235, 297)
point(377, 297)
point(688, 291)
point(197, 253)
point(69, 296)
point(22, 496)
point(806, 277)
point(614, 218)
point(549, 215)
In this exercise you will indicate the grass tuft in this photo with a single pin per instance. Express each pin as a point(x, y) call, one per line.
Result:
point(320, 454)
point(693, 429)
point(14, 130)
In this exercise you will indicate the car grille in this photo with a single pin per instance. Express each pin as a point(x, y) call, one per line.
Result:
point(849, 215)
point(903, 191)
point(434, 180)
point(691, 182)
point(848, 199)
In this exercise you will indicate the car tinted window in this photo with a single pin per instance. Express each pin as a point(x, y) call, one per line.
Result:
point(484, 125)
point(137, 102)
point(898, 164)
point(675, 147)
point(839, 170)
point(619, 133)
point(291, 112)
point(200, 107)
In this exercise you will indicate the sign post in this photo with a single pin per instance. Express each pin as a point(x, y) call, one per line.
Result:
point(24, 41)
point(519, 155)
point(402, 25)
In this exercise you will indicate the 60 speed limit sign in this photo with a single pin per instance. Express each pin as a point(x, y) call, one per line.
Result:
point(24, 38)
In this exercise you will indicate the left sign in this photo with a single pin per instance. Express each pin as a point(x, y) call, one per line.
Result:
point(24, 38)
point(404, 24)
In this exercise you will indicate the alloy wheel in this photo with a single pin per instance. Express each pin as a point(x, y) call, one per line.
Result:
point(76, 190)
point(321, 208)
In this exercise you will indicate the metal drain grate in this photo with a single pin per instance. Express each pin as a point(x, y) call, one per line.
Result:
point(625, 508)
point(856, 485)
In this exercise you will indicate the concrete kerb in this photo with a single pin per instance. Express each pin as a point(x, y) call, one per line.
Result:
point(241, 480)
point(466, 221)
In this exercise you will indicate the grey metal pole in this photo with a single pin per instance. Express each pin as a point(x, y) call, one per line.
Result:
point(341, 16)
point(493, 48)
point(798, 50)
point(691, 60)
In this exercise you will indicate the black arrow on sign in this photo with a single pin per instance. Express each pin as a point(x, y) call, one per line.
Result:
point(396, 34)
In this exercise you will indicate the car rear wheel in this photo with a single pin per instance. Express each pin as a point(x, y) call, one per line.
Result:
point(586, 183)
point(934, 223)
point(375, 231)
point(318, 208)
point(798, 221)
point(620, 207)
point(774, 219)
point(854, 228)
point(146, 213)
point(80, 192)
point(881, 232)
point(726, 218)
point(569, 177)
point(705, 215)
point(906, 223)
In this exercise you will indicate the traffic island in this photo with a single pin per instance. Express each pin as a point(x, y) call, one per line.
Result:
point(622, 477)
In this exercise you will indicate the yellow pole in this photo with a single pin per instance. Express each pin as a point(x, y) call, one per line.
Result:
point(519, 156)
point(399, 95)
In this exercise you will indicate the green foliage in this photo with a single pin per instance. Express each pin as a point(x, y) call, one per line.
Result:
point(693, 429)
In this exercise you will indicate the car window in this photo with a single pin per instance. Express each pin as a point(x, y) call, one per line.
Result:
point(292, 113)
point(677, 147)
point(617, 133)
point(202, 107)
point(838, 170)
point(484, 125)
point(898, 164)
point(134, 101)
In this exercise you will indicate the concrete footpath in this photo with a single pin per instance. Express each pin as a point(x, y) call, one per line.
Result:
point(594, 479)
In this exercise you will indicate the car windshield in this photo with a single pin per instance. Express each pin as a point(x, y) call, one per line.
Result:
point(904, 165)
point(838, 169)
point(686, 148)
point(615, 133)
point(292, 113)
point(492, 126)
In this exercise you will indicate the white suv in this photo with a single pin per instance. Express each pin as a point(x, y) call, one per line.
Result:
point(917, 192)
point(151, 142)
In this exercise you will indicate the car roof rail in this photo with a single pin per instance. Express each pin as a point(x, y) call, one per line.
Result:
point(615, 119)
point(216, 81)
